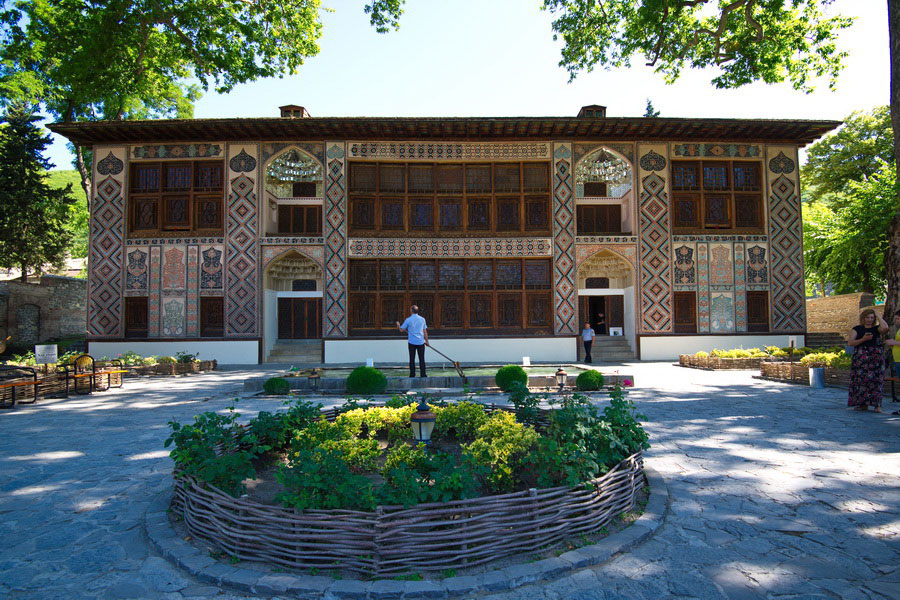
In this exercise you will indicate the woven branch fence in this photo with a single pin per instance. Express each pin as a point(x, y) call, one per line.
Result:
point(397, 539)
point(800, 374)
point(716, 362)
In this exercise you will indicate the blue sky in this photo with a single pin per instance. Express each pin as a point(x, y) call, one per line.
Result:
point(498, 58)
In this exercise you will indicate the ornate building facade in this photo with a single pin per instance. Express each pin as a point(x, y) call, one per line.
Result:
point(231, 237)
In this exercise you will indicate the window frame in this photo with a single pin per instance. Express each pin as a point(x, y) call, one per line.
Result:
point(702, 193)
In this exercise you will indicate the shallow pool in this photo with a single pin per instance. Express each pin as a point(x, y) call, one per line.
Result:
point(447, 370)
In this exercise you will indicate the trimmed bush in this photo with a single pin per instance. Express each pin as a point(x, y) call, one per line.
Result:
point(589, 380)
point(276, 386)
point(366, 380)
point(509, 374)
point(166, 360)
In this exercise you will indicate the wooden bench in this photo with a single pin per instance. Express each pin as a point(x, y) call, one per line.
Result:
point(84, 367)
point(18, 379)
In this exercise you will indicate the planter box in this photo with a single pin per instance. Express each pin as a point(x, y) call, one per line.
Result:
point(715, 362)
point(800, 374)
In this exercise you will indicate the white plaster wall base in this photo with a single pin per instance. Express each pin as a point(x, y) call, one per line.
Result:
point(464, 350)
point(669, 347)
point(237, 352)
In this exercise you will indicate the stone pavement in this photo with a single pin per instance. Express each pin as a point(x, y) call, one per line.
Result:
point(777, 491)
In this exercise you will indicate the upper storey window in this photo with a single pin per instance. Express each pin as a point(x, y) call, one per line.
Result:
point(714, 195)
point(176, 197)
point(294, 174)
point(449, 199)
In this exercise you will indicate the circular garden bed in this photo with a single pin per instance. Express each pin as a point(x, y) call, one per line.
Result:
point(357, 495)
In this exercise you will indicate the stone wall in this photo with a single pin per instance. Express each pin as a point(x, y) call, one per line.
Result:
point(32, 313)
point(836, 313)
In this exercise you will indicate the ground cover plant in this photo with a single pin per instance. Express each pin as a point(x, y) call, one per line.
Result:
point(366, 457)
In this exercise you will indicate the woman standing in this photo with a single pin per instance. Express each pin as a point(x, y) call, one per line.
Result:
point(867, 364)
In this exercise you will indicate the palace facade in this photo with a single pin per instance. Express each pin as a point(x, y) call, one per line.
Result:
point(238, 238)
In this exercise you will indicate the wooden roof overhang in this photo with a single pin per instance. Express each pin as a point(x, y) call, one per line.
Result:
point(799, 132)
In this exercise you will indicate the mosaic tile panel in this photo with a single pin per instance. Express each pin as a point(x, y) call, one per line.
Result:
point(211, 268)
point(241, 274)
point(721, 313)
point(154, 305)
point(314, 149)
point(606, 239)
point(627, 251)
point(449, 247)
point(655, 250)
point(740, 289)
point(785, 243)
point(719, 238)
point(566, 292)
point(757, 266)
point(702, 287)
point(292, 241)
point(169, 240)
point(448, 151)
point(173, 320)
point(106, 254)
point(192, 307)
point(173, 268)
point(137, 271)
point(721, 265)
point(177, 151)
point(272, 253)
point(685, 267)
point(335, 230)
point(716, 150)
point(625, 149)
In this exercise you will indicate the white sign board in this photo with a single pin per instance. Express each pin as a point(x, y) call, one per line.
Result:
point(45, 355)
point(615, 331)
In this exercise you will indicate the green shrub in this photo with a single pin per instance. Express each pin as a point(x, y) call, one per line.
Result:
point(321, 478)
point(841, 360)
point(300, 414)
point(166, 360)
point(701, 354)
point(366, 380)
point(589, 380)
point(509, 374)
point(277, 386)
point(463, 418)
point(186, 357)
point(527, 404)
point(269, 429)
point(500, 445)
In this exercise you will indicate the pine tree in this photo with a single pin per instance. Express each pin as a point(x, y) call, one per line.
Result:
point(32, 214)
point(650, 112)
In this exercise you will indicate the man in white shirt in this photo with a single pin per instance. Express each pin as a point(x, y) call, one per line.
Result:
point(417, 336)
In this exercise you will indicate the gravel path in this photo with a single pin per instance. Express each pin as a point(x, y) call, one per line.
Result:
point(778, 491)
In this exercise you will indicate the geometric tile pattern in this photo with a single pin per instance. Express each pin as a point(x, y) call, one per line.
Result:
point(716, 150)
point(449, 247)
point(625, 149)
point(193, 284)
point(154, 295)
point(721, 313)
point(211, 268)
point(173, 268)
point(293, 241)
point(785, 247)
point(721, 268)
point(740, 289)
point(177, 151)
point(175, 238)
point(685, 273)
point(137, 271)
point(106, 259)
point(655, 248)
point(173, 317)
point(702, 287)
point(565, 296)
point(448, 151)
point(757, 272)
point(272, 253)
point(241, 259)
point(627, 251)
point(606, 239)
point(335, 230)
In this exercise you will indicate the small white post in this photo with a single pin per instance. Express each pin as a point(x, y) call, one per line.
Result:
point(526, 361)
point(370, 362)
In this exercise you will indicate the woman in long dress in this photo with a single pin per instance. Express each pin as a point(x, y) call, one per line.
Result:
point(867, 364)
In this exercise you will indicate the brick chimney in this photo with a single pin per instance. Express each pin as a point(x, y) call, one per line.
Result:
point(292, 111)
point(592, 111)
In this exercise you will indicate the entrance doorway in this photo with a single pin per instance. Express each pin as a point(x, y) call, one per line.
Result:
point(611, 307)
point(299, 318)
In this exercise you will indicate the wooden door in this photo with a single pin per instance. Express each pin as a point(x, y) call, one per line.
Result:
point(615, 311)
point(299, 318)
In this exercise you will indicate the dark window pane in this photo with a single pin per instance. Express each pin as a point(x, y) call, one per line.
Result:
point(716, 211)
point(538, 311)
point(176, 212)
point(421, 215)
point(449, 179)
point(536, 178)
point(313, 220)
point(209, 213)
point(392, 178)
point(363, 274)
point(212, 317)
point(451, 310)
point(685, 312)
point(178, 177)
point(509, 310)
point(451, 275)
point(303, 189)
point(393, 275)
point(481, 310)
point(509, 274)
point(362, 178)
point(303, 285)
point(478, 178)
point(479, 215)
point(362, 213)
point(536, 214)
point(145, 213)
point(136, 317)
point(595, 189)
point(687, 211)
point(757, 311)
point(480, 275)
point(506, 178)
point(747, 210)
point(507, 214)
point(597, 283)
point(715, 176)
point(684, 177)
point(392, 214)
point(421, 179)
point(422, 275)
point(450, 214)
point(537, 274)
point(146, 178)
point(362, 311)
point(392, 310)
point(209, 176)
point(746, 177)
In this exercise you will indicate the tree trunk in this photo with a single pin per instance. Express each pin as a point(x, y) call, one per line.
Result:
point(892, 260)
point(24, 276)
point(85, 176)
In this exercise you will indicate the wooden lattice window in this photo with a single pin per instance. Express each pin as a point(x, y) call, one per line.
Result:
point(478, 179)
point(506, 178)
point(481, 310)
point(480, 274)
point(145, 178)
point(421, 179)
point(716, 213)
point(362, 213)
point(451, 275)
point(393, 275)
point(757, 311)
point(596, 189)
point(300, 219)
point(507, 214)
point(303, 285)
point(537, 275)
point(145, 213)
point(537, 214)
point(715, 176)
point(208, 176)
point(176, 197)
point(176, 212)
point(212, 317)
point(685, 176)
point(536, 177)
point(716, 195)
point(392, 310)
point(177, 178)
point(363, 275)
point(421, 215)
point(593, 219)
point(746, 177)
point(685, 312)
point(209, 212)
point(509, 274)
point(539, 311)
point(450, 179)
point(479, 214)
point(509, 310)
point(425, 302)
point(747, 209)
point(450, 214)
point(687, 210)
point(362, 178)
point(596, 283)
point(422, 275)
point(392, 214)
point(451, 310)
point(362, 310)
point(136, 311)
point(392, 179)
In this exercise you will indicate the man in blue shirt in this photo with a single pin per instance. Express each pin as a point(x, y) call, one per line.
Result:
point(417, 336)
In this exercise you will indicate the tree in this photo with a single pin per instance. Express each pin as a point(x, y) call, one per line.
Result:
point(78, 217)
point(650, 112)
point(32, 213)
point(120, 59)
point(744, 40)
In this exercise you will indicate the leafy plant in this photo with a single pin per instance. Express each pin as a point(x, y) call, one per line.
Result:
point(500, 444)
point(462, 418)
point(166, 360)
point(366, 380)
point(300, 414)
point(400, 400)
point(589, 380)
point(321, 478)
point(269, 429)
point(527, 404)
point(277, 386)
point(186, 357)
point(508, 374)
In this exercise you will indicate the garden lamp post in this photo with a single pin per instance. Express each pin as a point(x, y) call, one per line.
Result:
point(561, 377)
point(422, 422)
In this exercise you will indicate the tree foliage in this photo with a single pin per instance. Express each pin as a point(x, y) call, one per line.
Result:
point(649, 111)
point(746, 40)
point(32, 213)
point(847, 246)
point(78, 217)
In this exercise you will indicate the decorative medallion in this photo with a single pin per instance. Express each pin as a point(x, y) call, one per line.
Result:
point(110, 165)
point(653, 161)
point(781, 164)
point(242, 163)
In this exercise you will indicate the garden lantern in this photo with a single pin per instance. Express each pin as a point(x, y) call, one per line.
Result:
point(313, 380)
point(561, 377)
point(422, 422)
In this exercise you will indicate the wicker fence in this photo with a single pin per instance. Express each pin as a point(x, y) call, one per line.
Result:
point(800, 373)
point(397, 539)
point(715, 362)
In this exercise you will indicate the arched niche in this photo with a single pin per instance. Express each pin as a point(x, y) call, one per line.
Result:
point(604, 173)
point(292, 266)
point(608, 265)
point(293, 173)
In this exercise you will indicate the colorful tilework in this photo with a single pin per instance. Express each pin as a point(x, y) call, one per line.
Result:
point(211, 270)
point(702, 287)
point(721, 267)
point(272, 253)
point(241, 274)
point(448, 151)
point(335, 242)
point(565, 296)
point(106, 259)
point(449, 247)
point(655, 250)
point(584, 252)
point(177, 151)
point(721, 313)
point(192, 307)
point(716, 150)
point(137, 271)
point(786, 246)
point(154, 296)
point(740, 289)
